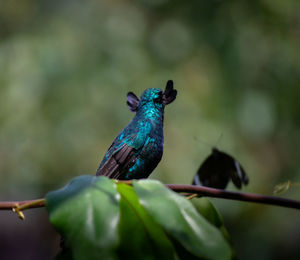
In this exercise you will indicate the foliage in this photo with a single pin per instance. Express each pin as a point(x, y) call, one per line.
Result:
point(65, 69)
point(99, 218)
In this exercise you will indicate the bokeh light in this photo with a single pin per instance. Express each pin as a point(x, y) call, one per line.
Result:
point(65, 70)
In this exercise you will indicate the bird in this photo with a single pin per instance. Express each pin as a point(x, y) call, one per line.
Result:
point(138, 148)
point(217, 170)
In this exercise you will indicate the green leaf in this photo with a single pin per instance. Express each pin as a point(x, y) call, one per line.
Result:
point(86, 214)
point(209, 212)
point(75, 186)
point(181, 221)
point(101, 219)
point(147, 239)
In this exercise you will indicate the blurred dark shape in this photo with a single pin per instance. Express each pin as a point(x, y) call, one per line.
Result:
point(218, 168)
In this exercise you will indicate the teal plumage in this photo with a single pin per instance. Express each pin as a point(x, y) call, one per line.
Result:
point(138, 149)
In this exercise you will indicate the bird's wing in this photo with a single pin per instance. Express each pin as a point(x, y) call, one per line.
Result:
point(120, 160)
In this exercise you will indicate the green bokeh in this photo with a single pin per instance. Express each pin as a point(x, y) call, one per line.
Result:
point(66, 67)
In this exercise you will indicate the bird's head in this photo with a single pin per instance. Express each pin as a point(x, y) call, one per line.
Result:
point(152, 98)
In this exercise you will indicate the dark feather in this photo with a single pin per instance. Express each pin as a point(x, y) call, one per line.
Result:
point(217, 170)
point(170, 93)
point(119, 162)
point(132, 101)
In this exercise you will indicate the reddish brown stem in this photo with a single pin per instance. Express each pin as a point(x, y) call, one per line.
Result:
point(241, 196)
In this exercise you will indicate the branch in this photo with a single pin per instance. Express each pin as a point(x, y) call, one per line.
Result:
point(6, 205)
point(18, 206)
point(241, 196)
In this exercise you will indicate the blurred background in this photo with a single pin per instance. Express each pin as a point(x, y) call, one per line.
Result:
point(65, 70)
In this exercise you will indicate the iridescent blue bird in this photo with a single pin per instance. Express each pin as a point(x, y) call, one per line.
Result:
point(138, 149)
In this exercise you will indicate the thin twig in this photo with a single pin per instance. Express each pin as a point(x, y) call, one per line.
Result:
point(8, 205)
point(19, 206)
point(191, 196)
